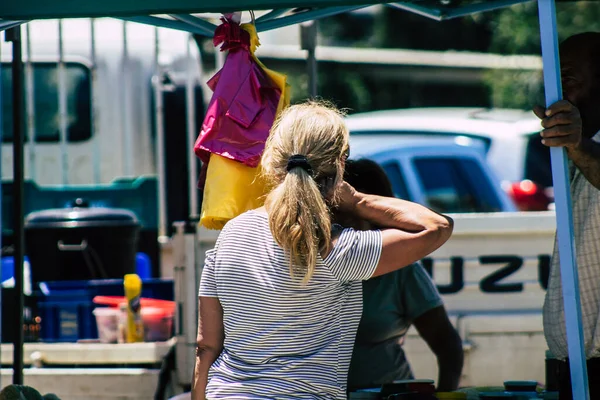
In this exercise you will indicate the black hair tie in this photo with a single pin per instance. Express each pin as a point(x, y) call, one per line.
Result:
point(299, 161)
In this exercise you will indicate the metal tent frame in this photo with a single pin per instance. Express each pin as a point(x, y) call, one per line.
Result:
point(183, 15)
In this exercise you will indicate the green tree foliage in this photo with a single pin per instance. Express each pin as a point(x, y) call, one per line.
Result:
point(516, 31)
point(387, 27)
point(348, 29)
point(396, 28)
point(513, 30)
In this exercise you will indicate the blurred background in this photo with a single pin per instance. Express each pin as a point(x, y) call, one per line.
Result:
point(372, 86)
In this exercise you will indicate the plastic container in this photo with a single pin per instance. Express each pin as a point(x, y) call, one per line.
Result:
point(116, 301)
point(8, 274)
point(549, 396)
point(158, 324)
point(107, 321)
point(122, 338)
point(365, 394)
point(133, 291)
point(143, 266)
point(155, 288)
point(411, 396)
point(422, 386)
point(520, 386)
point(66, 307)
point(66, 317)
point(451, 396)
point(522, 390)
point(496, 396)
point(81, 242)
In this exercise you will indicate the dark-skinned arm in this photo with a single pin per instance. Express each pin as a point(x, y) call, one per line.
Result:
point(586, 157)
point(563, 127)
point(435, 328)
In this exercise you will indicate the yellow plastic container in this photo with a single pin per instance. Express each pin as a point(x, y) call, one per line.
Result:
point(450, 396)
point(133, 292)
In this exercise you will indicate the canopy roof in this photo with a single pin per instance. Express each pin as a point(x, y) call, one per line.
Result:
point(177, 14)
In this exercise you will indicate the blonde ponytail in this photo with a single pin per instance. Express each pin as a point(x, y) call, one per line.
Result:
point(299, 217)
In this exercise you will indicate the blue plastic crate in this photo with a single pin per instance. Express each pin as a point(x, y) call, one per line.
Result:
point(68, 320)
point(65, 307)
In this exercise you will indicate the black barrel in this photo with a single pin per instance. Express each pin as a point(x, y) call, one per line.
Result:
point(81, 243)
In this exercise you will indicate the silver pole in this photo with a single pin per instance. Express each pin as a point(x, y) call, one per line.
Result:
point(160, 142)
point(62, 107)
point(127, 155)
point(308, 37)
point(94, 76)
point(191, 130)
point(219, 59)
point(30, 92)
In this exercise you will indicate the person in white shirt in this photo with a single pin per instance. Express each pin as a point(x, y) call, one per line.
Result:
point(280, 297)
point(574, 123)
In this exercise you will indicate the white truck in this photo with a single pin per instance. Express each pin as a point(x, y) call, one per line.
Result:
point(492, 275)
point(494, 271)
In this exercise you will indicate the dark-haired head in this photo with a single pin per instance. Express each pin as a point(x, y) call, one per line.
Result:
point(580, 69)
point(367, 177)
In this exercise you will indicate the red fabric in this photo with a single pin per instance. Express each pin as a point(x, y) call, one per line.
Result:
point(244, 102)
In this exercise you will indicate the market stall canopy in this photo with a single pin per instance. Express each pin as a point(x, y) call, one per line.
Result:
point(178, 14)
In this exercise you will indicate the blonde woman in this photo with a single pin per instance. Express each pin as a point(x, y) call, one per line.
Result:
point(281, 296)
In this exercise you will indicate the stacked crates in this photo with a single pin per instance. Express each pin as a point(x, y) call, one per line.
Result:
point(65, 307)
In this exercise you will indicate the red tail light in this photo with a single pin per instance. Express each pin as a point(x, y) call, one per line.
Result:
point(528, 196)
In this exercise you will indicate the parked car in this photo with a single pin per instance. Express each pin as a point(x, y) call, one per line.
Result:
point(510, 137)
point(447, 174)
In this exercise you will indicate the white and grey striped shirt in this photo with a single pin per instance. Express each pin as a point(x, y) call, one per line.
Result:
point(283, 339)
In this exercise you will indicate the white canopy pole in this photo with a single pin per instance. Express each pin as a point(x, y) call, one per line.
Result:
point(192, 132)
point(564, 215)
point(160, 140)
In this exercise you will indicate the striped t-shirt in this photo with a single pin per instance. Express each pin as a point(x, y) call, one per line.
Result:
point(283, 339)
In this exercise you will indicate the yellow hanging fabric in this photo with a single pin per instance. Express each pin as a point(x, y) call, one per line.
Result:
point(231, 187)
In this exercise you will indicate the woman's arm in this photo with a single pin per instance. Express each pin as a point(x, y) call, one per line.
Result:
point(410, 231)
point(435, 328)
point(210, 342)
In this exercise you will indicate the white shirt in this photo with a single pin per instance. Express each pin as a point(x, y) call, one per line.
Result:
point(586, 223)
point(285, 340)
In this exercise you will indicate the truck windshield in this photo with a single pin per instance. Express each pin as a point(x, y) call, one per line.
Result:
point(46, 103)
point(456, 185)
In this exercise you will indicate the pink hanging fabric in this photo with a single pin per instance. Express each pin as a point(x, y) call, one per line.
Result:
point(244, 103)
